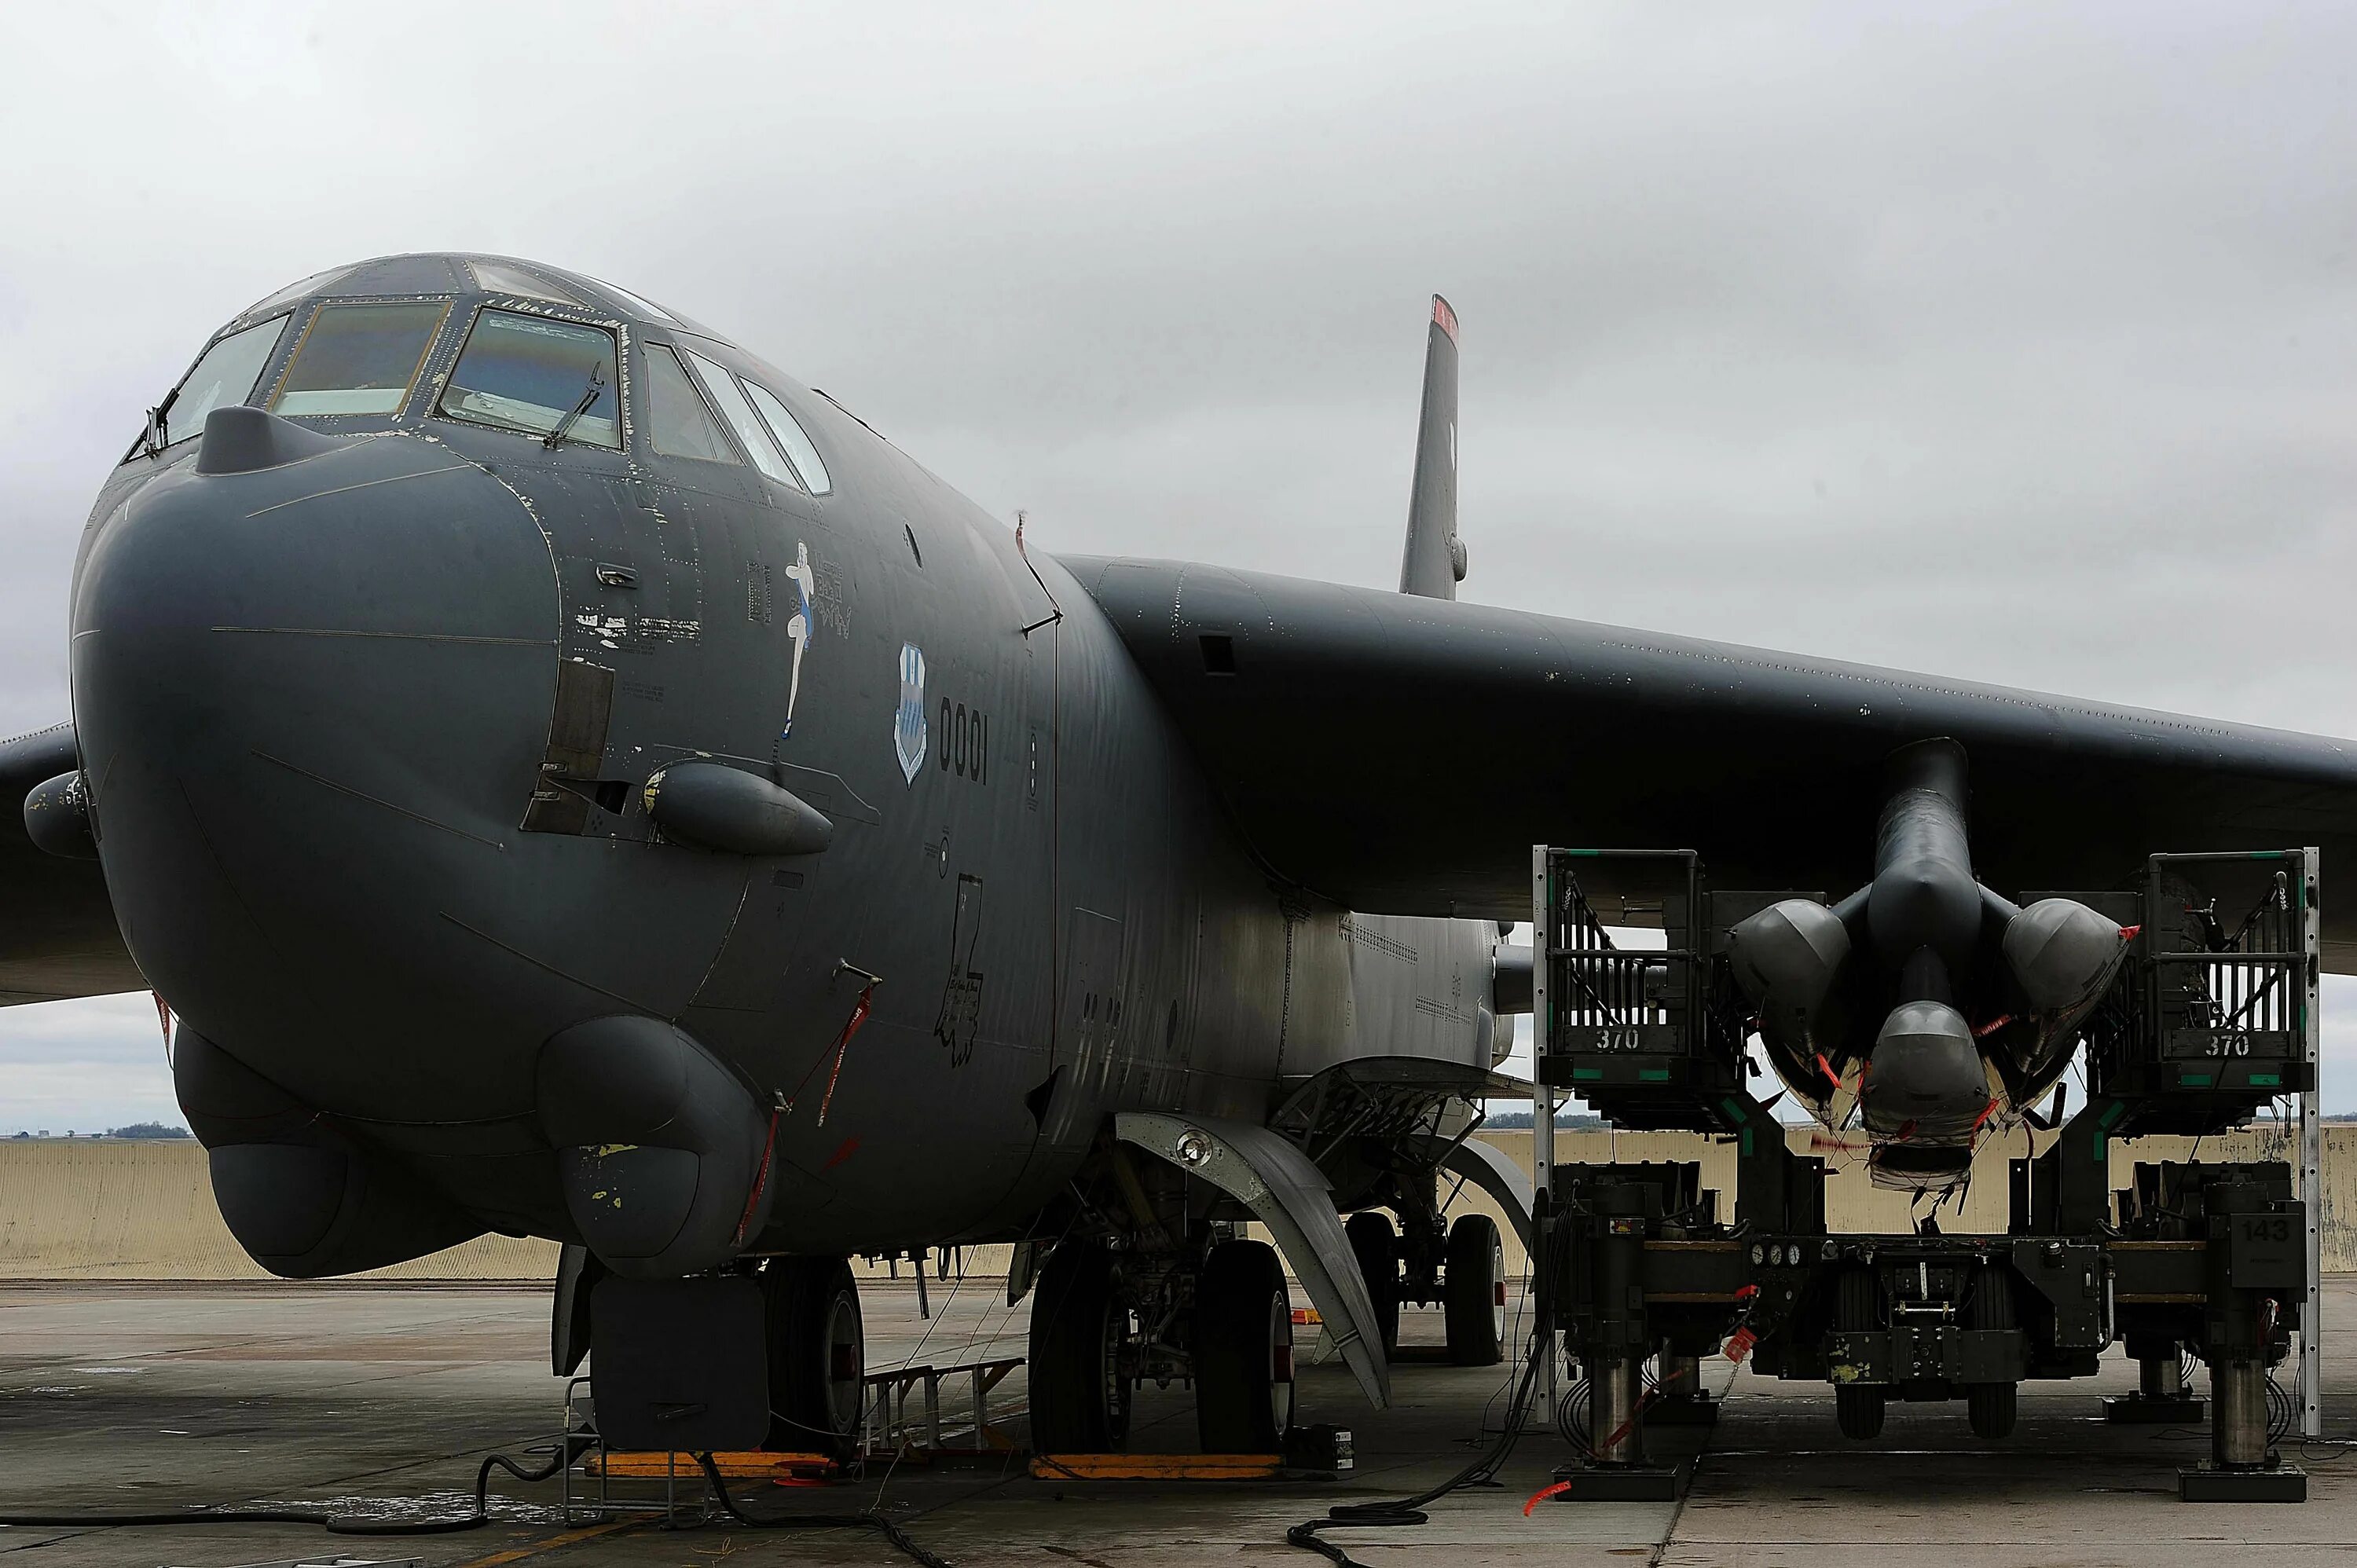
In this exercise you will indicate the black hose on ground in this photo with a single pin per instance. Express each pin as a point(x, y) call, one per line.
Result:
point(325, 1521)
point(870, 1521)
point(1410, 1511)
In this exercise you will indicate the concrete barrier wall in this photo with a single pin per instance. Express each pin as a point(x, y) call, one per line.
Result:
point(101, 1210)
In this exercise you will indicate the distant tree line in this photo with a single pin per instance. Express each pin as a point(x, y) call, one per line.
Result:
point(1509, 1120)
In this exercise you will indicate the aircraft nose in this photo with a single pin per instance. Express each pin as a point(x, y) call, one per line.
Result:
point(312, 684)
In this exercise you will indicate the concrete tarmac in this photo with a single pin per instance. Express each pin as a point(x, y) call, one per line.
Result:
point(380, 1401)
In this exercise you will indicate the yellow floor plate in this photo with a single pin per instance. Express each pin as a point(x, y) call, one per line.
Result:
point(756, 1465)
point(1157, 1466)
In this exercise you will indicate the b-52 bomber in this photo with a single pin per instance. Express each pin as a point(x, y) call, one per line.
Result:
point(567, 779)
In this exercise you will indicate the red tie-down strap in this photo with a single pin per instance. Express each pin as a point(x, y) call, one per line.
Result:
point(1649, 1397)
point(783, 1104)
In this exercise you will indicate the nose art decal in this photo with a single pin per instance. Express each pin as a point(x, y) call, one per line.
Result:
point(798, 629)
point(909, 723)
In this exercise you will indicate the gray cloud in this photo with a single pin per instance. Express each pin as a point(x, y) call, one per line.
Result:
point(2013, 344)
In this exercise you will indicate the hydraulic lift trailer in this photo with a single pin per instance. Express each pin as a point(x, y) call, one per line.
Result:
point(2205, 1257)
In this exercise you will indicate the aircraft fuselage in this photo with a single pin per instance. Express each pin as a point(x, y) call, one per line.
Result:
point(368, 734)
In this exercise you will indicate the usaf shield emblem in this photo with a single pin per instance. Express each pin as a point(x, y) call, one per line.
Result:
point(909, 723)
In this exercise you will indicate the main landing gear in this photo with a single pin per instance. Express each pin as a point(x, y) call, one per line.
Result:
point(1466, 1273)
point(1101, 1323)
point(817, 1356)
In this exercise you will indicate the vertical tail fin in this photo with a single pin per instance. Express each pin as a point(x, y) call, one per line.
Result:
point(1435, 560)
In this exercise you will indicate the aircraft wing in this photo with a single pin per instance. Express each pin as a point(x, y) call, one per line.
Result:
point(58, 935)
point(1400, 755)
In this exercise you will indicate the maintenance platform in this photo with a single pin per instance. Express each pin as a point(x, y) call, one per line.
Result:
point(2203, 1012)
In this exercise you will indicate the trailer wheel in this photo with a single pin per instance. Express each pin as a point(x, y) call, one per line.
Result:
point(1375, 1244)
point(1080, 1391)
point(1473, 1297)
point(1243, 1350)
point(1991, 1407)
point(818, 1355)
point(1857, 1303)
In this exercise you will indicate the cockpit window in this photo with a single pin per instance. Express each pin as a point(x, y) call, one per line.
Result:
point(741, 418)
point(529, 373)
point(644, 306)
point(223, 378)
point(499, 277)
point(295, 291)
point(359, 359)
point(793, 438)
point(677, 422)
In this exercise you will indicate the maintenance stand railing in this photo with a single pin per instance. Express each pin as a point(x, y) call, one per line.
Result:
point(2212, 1015)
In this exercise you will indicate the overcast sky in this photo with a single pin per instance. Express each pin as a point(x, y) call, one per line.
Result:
point(2014, 343)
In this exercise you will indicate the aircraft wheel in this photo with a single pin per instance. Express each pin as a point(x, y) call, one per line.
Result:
point(1473, 1296)
point(1080, 1391)
point(1857, 1303)
point(818, 1355)
point(1243, 1350)
point(1376, 1245)
point(1991, 1407)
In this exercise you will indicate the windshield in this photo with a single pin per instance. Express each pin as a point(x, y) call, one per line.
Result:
point(529, 373)
point(223, 379)
point(359, 359)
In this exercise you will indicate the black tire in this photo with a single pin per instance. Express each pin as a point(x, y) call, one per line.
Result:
point(1243, 1350)
point(1991, 1407)
point(1857, 1303)
point(818, 1356)
point(1376, 1246)
point(1473, 1295)
point(1079, 1391)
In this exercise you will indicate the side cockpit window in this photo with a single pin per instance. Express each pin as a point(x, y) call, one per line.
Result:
point(555, 379)
point(678, 425)
point(223, 378)
point(359, 359)
point(730, 401)
point(791, 436)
